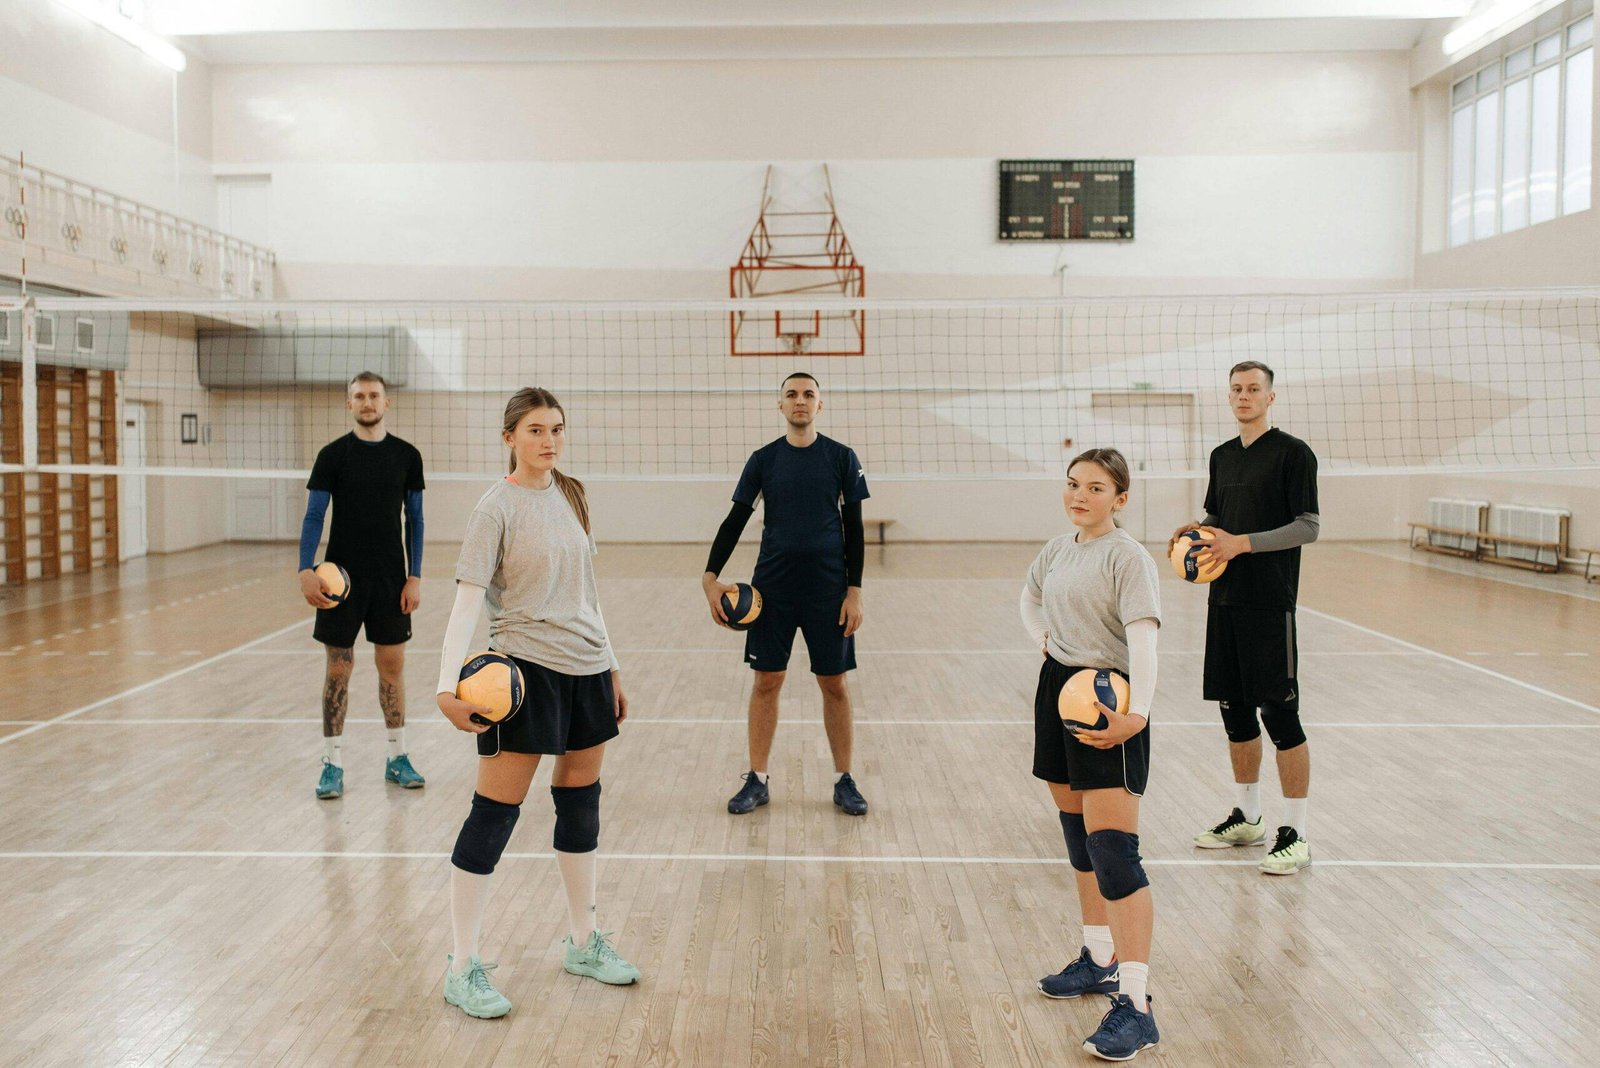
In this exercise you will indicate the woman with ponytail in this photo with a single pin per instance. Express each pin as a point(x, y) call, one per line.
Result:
point(527, 554)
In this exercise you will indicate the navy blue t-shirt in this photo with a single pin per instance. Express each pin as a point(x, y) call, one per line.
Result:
point(802, 535)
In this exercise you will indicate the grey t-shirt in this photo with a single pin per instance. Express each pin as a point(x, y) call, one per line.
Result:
point(527, 548)
point(1091, 592)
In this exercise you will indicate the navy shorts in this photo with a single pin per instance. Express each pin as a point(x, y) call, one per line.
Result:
point(559, 712)
point(768, 642)
point(1252, 657)
point(374, 603)
point(1060, 758)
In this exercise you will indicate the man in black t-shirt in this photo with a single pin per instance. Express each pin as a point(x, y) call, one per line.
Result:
point(809, 576)
point(1261, 503)
point(369, 476)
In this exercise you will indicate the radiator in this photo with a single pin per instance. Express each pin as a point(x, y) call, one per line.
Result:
point(1458, 515)
point(1539, 524)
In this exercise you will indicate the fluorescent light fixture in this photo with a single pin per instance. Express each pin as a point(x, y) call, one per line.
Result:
point(157, 48)
point(1479, 26)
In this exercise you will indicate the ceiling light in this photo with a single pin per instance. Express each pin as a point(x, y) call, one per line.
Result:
point(1480, 26)
point(157, 48)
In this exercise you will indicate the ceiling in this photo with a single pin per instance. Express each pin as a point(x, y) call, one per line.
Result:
point(409, 31)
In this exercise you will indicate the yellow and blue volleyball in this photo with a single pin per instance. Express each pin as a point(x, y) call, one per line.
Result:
point(492, 681)
point(744, 608)
point(1185, 562)
point(1076, 703)
point(335, 581)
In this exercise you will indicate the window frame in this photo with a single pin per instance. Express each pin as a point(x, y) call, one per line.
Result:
point(1474, 80)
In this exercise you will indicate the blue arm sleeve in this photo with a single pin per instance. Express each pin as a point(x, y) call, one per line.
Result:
point(311, 528)
point(414, 532)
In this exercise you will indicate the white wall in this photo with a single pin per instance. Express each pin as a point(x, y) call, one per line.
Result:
point(1255, 172)
point(86, 105)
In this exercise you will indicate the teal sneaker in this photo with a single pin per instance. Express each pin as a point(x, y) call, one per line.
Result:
point(596, 959)
point(470, 990)
point(331, 784)
point(400, 772)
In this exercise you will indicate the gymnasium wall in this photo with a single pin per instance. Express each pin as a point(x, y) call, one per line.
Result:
point(612, 180)
point(81, 103)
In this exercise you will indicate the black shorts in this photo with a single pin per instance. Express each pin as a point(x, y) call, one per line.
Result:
point(374, 603)
point(1252, 657)
point(1059, 757)
point(559, 712)
point(768, 642)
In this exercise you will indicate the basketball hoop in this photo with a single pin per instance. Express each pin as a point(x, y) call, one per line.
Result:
point(797, 344)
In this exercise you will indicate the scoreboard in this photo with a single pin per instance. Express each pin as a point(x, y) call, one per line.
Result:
point(1066, 200)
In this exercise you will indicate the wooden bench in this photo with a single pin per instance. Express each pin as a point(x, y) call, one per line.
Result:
point(1588, 563)
point(883, 526)
point(1427, 545)
point(1488, 545)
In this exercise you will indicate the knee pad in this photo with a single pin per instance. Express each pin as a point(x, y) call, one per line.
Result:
point(1116, 863)
point(484, 835)
point(577, 818)
point(1239, 721)
point(1077, 841)
point(1283, 726)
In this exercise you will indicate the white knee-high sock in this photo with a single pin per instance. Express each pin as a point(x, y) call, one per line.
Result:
point(1134, 977)
point(469, 893)
point(1294, 814)
point(1097, 939)
point(578, 876)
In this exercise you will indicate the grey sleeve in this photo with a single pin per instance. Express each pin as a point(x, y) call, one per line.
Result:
point(1303, 531)
point(1138, 588)
point(1210, 520)
point(480, 549)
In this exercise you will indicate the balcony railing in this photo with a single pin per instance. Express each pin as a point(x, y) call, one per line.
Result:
point(70, 219)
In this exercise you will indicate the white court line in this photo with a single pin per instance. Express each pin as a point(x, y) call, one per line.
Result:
point(763, 858)
point(1540, 690)
point(168, 677)
point(281, 721)
point(1504, 576)
point(735, 651)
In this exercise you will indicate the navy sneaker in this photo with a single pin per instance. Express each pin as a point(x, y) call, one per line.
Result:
point(1082, 976)
point(1124, 1031)
point(751, 796)
point(847, 797)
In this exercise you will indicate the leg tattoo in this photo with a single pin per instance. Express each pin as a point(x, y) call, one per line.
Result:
point(336, 691)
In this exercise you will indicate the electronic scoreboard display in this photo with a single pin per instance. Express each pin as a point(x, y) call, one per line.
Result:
point(1066, 200)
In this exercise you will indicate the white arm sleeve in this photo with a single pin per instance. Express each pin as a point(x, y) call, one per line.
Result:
point(1032, 609)
point(458, 634)
point(1141, 666)
point(610, 650)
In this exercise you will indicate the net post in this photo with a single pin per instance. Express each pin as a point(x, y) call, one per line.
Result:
point(30, 385)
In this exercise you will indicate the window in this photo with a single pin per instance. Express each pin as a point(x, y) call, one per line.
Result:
point(1520, 135)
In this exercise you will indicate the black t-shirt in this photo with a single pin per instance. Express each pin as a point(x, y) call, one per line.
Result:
point(802, 535)
point(1263, 487)
point(369, 481)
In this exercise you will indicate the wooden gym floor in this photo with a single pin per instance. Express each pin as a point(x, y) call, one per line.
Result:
point(172, 893)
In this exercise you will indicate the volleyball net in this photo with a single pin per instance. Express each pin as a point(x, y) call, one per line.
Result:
point(1382, 383)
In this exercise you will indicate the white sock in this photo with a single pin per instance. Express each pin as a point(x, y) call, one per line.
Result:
point(761, 776)
point(578, 876)
point(469, 893)
point(842, 774)
point(333, 751)
point(1294, 814)
point(1134, 977)
point(1249, 800)
point(397, 742)
point(1101, 948)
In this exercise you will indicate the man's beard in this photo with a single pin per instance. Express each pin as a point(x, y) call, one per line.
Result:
point(363, 420)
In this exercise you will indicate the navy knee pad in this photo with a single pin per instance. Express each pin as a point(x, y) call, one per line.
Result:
point(1116, 863)
point(1283, 726)
point(1077, 841)
point(1239, 721)
point(577, 818)
point(484, 835)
